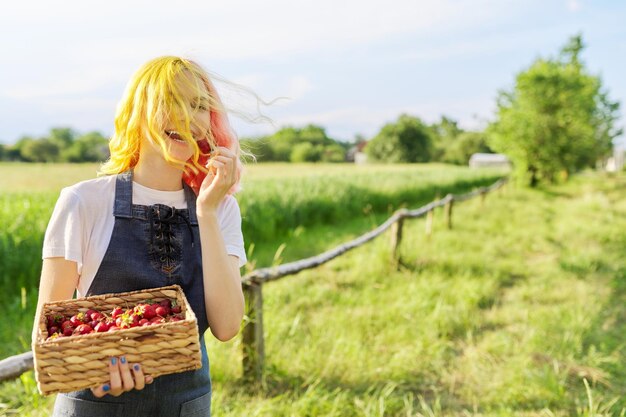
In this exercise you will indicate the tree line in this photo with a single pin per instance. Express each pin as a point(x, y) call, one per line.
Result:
point(60, 145)
point(556, 120)
point(409, 139)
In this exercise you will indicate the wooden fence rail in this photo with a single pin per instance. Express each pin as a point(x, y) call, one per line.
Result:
point(253, 343)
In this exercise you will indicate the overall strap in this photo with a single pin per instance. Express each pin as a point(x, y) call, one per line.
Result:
point(190, 197)
point(124, 195)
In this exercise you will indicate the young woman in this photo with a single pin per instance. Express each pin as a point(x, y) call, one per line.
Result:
point(163, 213)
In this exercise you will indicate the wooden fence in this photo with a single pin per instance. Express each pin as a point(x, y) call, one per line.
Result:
point(253, 339)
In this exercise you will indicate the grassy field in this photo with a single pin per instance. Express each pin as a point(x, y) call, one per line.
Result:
point(517, 311)
point(508, 314)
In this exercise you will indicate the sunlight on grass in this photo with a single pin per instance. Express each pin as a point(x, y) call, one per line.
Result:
point(517, 311)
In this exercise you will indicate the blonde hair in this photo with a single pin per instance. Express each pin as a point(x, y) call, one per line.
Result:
point(152, 96)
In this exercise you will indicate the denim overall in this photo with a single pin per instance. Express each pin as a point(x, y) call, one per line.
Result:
point(151, 246)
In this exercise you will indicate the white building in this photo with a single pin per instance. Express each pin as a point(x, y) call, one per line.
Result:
point(356, 154)
point(616, 162)
point(492, 160)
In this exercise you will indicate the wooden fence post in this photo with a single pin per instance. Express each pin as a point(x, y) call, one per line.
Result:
point(483, 194)
point(396, 239)
point(448, 210)
point(253, 344)
point(429, 222)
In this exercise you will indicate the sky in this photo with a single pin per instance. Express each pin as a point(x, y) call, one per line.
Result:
point(350, 66)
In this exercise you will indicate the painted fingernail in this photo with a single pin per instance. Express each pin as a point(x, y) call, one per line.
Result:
point(149, 379)
point(106, 387)
point(123, 359)
point(113, 361)
point(136, 367)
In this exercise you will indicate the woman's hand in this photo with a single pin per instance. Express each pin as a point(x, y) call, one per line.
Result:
point(221, 177)
point(121, 379)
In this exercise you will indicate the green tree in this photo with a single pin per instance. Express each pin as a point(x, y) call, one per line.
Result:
point(444, 134)
point(465, 145)
point(12, 153)
point(91, 147)
point(284, 141)
point(406, 140)
point(557, 120)
point(306, 152)
point(334, 153)
point(39, 150)
point(62, 136)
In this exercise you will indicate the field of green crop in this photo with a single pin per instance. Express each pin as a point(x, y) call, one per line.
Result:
point(279, 203)
point(519, 310)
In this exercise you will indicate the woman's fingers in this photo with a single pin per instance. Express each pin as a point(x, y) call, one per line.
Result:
point(139, 378)
point(127, 379)
point(101, 391)
point(222, 175)
point(228, 167)
point(123, 377)
point(114, 377)
point(223, 151)
point(114, 387)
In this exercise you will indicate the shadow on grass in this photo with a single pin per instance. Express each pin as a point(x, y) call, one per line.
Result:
point(411, 384)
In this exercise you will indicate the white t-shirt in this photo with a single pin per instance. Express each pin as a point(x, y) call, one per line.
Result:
point(82, 222)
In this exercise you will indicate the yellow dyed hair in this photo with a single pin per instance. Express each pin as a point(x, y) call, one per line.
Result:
point(153, 97)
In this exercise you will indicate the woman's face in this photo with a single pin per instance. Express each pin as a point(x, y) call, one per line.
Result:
point(197, 103)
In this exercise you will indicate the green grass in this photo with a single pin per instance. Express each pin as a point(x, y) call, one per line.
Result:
point(290, 211)
point(507, 314)
point(279, 198)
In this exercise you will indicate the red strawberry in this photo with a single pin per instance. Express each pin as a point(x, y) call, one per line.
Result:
point(96, 316)
point(89, 312)
point(162, 311)
point(144, 322)
point(119, 322)
point(66, 323)
point(126, 320)
point(83, 329)
point(78, 319)
point(146, 310)
point(176, 309)
point(113, 328)
point(102, 327)
point(116, 312)
point(54, 319)
point(166, 303)
point(53, 329)
point(68, 331)
point(150, 312)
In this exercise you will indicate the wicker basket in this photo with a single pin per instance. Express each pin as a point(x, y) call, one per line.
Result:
point(73, 363)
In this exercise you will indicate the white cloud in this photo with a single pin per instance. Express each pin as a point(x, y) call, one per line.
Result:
point(60, 82)
point(298, 86)
point(573, 5)
point(236, 29)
